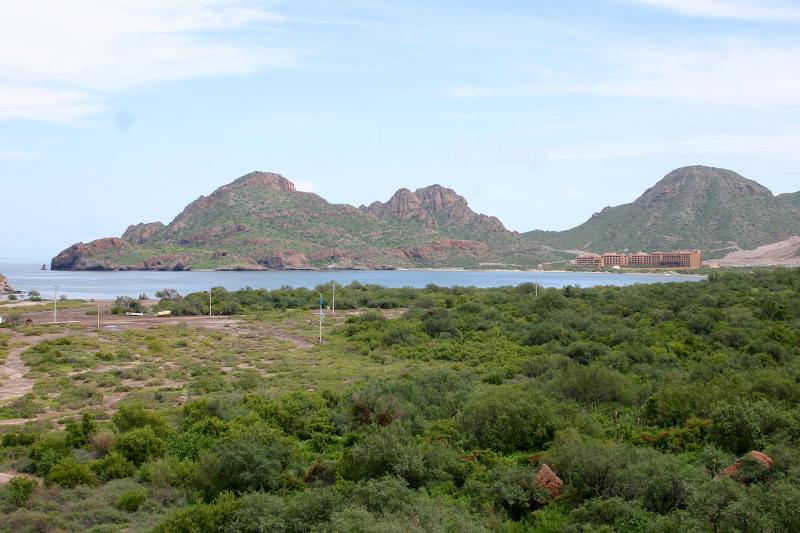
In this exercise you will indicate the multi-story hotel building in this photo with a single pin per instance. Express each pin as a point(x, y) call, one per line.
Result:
point(676, 259)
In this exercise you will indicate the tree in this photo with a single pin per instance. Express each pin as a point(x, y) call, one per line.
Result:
point(168, 294)
point(735, 426)
point(126, 304)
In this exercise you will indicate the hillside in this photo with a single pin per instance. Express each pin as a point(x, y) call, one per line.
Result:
point(260, 221)
point(4, 286)
point(693, 207)
point(791, 199)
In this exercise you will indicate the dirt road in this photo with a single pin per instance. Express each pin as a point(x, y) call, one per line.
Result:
point(783, 253)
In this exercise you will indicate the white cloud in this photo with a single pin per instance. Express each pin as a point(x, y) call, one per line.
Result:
point(756, 10)
point(59, 61)
point(304, 186)
point(42, 103)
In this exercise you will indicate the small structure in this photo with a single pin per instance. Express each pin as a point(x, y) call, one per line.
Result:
point(548, 479)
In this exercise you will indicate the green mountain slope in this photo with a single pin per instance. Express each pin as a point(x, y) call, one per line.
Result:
point(792, 199)
point(693, 207)
point(261, 221)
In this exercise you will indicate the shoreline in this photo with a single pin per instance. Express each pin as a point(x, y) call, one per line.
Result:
point(654, 272)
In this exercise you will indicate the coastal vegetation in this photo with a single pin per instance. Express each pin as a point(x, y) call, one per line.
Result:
point(514, 409)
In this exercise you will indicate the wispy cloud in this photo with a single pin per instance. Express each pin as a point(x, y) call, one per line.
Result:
point(10, 154)
point(716, 71)
point(755, 10)
point(60, 62)
point(705, 145)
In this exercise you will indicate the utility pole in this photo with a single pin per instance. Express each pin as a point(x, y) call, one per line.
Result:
point(536, 289)
point(55, 305)
point(209, 299)
point(333, 299)
point(321, 315)
point(97, 300)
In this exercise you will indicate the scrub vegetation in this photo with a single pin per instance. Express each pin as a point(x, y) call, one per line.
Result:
point(425, 410)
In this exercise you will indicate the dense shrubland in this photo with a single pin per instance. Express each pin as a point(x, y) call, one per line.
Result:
point(637, 398)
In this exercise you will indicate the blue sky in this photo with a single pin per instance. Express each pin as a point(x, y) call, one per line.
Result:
point(120, 111)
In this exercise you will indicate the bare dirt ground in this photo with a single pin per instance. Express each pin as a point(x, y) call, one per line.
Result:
point(13, 384)
point(123, 322)
point(783, 253)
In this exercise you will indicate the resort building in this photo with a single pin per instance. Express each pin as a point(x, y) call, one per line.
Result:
point(676, 259)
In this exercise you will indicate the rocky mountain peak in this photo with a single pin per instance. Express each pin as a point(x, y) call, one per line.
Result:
point(702, 183)
point(432, 204)
point(268, 180)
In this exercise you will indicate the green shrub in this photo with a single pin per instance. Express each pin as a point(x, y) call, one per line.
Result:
point(78, 433)
point(113, 466)
point(507, 418)
point(48, 451)
point(18, 439)
point(201, 518)
point(393, 451)
point(130, 500)
point(69, 473)
point(252, 463)
point(140, 445)
point(20, 489)
point(102, 442)
point(169, 472)
point(134, 415)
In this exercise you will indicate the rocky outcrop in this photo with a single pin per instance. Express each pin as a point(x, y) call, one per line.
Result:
point(141, 233)
point(5, 287)
point(432, 205)
point(547, 479)
point(444, 248)
point(91, 256)
point(173, 262)
point(288, 260)
point(762, 458)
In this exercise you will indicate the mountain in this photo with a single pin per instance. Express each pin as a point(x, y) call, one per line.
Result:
point(695, 207)
point(792, 199)
point(260, 221)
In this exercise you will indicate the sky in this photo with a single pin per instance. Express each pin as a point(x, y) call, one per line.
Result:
point(114, 112)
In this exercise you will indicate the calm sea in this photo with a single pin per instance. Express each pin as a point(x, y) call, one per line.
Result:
point(106, 285)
